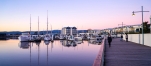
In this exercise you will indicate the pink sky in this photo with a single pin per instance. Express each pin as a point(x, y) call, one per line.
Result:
point(83, 14)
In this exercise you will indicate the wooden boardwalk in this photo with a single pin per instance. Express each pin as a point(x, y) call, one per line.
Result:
point(123, 53)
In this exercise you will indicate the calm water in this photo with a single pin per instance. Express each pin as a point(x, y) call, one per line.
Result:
point(58, 53)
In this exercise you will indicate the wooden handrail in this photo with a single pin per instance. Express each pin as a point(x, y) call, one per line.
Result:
point(99, 61)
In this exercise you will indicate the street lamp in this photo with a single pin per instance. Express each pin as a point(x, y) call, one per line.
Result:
point(142, 23)
point(133, 13)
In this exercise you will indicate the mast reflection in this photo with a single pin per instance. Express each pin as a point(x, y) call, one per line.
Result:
point(30, 54)
point(38, 44)
point(47, 43)
point(51, 46)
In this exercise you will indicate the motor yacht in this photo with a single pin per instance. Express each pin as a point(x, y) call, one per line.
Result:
point(24, 37)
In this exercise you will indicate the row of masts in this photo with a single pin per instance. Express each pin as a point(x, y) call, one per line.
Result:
point(38, 24)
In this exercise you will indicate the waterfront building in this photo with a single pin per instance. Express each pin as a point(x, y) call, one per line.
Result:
point(132, 28)
point(69, 31)
point(124, 29)
point(94, 31)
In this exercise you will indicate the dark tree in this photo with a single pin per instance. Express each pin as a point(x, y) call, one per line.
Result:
point(145, 27)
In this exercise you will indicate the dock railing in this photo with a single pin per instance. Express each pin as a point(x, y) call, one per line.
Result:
point(99, 61)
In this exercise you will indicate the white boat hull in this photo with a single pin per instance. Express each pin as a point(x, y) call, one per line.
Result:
point(23, 38)
point(47, 39)
point(78, 38)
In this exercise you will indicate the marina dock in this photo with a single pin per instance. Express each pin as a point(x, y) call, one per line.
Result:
point(123, 53)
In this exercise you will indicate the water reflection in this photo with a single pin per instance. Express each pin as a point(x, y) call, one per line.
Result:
point(62, 53)
point(38, 43)
point(78, 42)
point(51, 46)
point(65, 43)
point(95, 42)
point(30, 53)
point(24, 45)
point(47, 43)
point(70, 43)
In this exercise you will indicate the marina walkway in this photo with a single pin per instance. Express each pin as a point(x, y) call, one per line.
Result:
point(123, 53)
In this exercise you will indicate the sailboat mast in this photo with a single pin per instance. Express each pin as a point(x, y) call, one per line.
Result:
point(30, 27)
point(51, 29)
point(38, 25)
point(30, 24)
point(47, 21)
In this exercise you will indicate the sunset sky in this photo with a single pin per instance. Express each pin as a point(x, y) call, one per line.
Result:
point(83, 14)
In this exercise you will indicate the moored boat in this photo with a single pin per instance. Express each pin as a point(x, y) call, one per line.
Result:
point(38, 38)
point(24, 37)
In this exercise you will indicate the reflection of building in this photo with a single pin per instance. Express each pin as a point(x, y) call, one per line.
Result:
point(68, 43)
point(69, 30)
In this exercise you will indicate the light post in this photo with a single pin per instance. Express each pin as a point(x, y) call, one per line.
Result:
point(122, 26)
point(142, 23)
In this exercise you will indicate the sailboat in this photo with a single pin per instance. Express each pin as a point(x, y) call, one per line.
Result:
point(25, 37)
point(47, 36)
point(38, 38)
point(31, 39)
